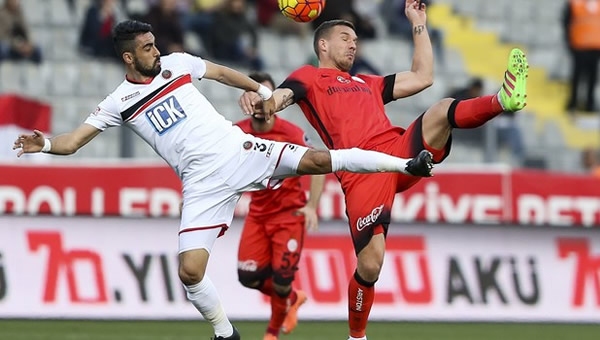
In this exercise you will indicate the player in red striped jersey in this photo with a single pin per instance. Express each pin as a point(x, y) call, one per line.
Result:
point(273, 235)
point(348, 111)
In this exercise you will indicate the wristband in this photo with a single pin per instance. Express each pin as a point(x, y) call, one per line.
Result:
point(47, 145)
point(264, 92)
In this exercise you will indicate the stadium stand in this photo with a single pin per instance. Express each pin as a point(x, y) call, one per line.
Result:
point(478, 35)
point(484, 30)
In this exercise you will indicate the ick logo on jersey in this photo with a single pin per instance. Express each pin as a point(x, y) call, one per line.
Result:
point(165, 114)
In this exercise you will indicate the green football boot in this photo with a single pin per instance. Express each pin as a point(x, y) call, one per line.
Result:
point(513, 94)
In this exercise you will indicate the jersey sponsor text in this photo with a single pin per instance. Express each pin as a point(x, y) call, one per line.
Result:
point(165, 114)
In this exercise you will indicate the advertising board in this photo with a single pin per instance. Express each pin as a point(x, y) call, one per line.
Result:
point(87, 267)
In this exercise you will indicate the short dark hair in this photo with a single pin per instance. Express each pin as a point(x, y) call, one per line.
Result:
point(261, 77)
point(124, 33)
point(324, 29)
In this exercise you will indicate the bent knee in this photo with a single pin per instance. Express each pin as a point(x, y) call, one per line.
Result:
point(369, 264)
point(440, 109)
point(283, 277)
point(282, 290)
point(253, 279)
point(192, 266)
point(369, 270)
point(282, 281)
point(189, 277)
point(254, 284)
point(249, 281)
point(437, 123)
point(445, 102)
point(191, 273)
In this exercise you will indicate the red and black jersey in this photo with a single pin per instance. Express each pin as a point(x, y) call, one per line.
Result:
point(346, 111)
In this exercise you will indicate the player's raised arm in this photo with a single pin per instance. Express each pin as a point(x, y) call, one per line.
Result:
point(284, 97)
point(231, 77)
point(64, 144)
point(420, 75)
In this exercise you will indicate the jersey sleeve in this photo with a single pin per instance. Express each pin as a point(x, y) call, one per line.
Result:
point(106, 115)
point(384, 85)
point(300, 81)
point(196, 64)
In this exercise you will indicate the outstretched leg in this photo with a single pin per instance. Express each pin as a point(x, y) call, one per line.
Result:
point(442, 117)
point(362, 161)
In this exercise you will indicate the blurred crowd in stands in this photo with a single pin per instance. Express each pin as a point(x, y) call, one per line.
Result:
point(227, 29)
point(15, 39)
point(228, 32)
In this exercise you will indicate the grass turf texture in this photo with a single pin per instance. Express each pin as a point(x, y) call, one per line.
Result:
point(196, 330)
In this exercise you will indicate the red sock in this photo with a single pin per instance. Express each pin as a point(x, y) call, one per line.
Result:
point(293, 297)
point(279, 308)
point(360, 300)
point(267, 287)
point(472, 113)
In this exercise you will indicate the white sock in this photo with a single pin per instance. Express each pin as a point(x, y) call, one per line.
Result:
point(363, 338)
point(205, 298)
point(499, 101)
point(365, 161)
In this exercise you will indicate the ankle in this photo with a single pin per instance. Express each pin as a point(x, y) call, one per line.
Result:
point(293, 297)
point(273, 331)
point(360, 338)
point(496, 100)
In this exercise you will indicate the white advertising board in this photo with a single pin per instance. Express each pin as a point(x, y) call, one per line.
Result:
point(59, 267)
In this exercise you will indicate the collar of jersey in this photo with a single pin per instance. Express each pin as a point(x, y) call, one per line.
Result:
point(139, 83)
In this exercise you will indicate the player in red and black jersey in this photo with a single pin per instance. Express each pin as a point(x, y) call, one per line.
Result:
point(348, 111)
point(273, 235)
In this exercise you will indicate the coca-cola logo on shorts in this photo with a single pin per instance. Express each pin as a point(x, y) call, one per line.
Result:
point(366, 221)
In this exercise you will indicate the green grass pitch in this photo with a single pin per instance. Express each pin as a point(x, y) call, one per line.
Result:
point(190, 330)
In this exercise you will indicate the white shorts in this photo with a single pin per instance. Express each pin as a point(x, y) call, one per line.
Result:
point(209, 202)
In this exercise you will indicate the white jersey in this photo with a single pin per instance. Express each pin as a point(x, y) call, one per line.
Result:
point(174, 118)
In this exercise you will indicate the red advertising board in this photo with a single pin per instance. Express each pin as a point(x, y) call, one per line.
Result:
point(465, 196)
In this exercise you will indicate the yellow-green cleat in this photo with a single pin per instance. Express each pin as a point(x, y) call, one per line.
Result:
point(513, 94)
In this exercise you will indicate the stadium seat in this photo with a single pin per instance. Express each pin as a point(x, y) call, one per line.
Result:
point(378, 52)
point(90, 74)
point(36, 79)
point(59, 13)
point(492, 10)
point(11, 76)
point(136, 6)
point(111, 76)
point(65, 109)
point(36, 12)
point(293, 51)
point(64, 79)
point(81, 7)
point(64, 43)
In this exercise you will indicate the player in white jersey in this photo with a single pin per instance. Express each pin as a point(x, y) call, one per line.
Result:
point(215, 160)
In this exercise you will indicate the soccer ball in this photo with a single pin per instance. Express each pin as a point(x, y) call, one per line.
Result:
point(301, 10)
